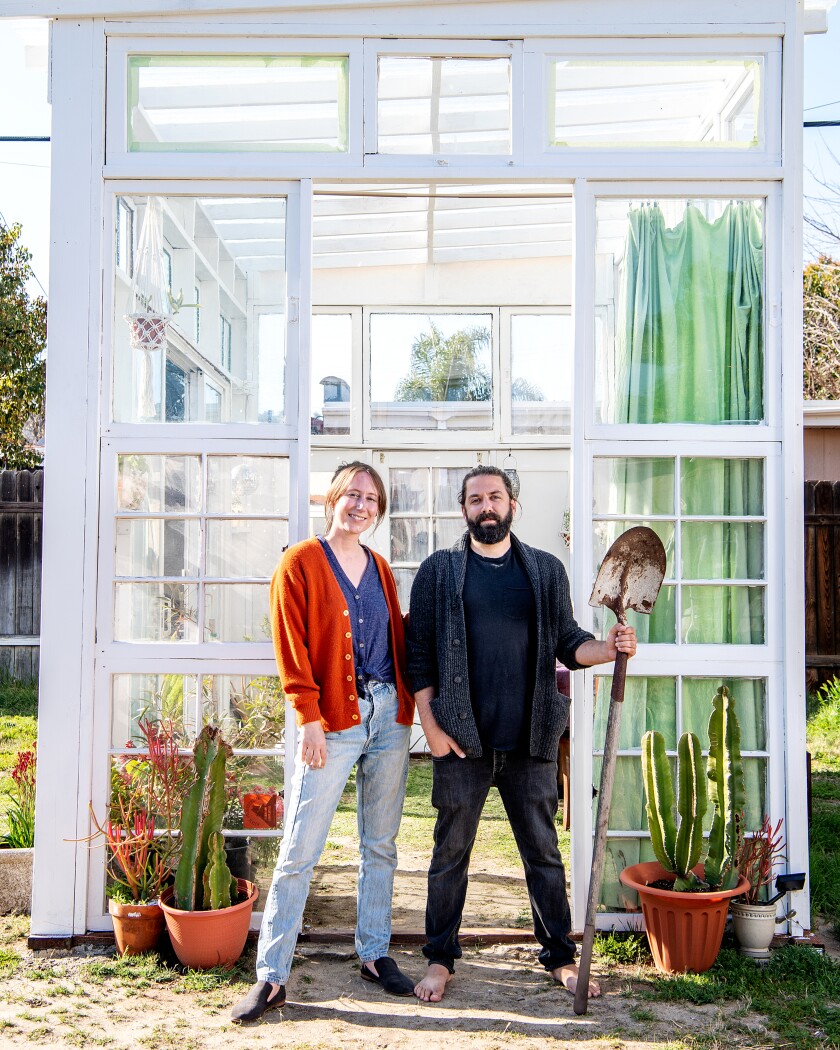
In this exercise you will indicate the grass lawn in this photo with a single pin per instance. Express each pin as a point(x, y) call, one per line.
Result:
point(18, 728)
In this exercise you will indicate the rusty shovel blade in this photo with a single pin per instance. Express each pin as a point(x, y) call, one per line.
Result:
point(631, 573)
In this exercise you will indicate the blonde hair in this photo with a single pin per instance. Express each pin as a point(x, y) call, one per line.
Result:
point(341, 482)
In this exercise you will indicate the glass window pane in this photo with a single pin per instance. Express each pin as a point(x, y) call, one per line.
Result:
point(236, 612)
point(249, 708)
point(225, 103)
point(443, 105)
point(158, 484)
point(447, 483)
point(248, 485)
point(722, 550)
point(749, 696)
point(711, 486)
point(447, 532)
point(409, 539)
point(431, 371)
point(681, 301)
point(404, 579)
point(170, 697)
point(607, 532)
point(409, 490)
point(733, 615)
point(659, 626)
point(245, 547)
point(168, 368)
point(627, 810)
point(156, 547)
point(155, 612)
point(620, 854)
point(649, 703)
point(332, 364)
point(542, 359)
point(252, 775)
point(651, 101)
point(633, 486)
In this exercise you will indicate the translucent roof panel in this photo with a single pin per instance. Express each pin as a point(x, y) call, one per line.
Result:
point(214, 103)
point(630, 102)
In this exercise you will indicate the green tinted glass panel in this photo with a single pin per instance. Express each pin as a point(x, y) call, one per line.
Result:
point(237, 103)
point(649, 703)
point(726, 487)
point(635, 486)
point(627, 809)
point(749, 697)
point(728, 615)
point(659, 626)
point(620, 854)
point(722, 550)
point(172, 697)
point(606, 532)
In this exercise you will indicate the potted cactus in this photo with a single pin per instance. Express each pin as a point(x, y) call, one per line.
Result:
point(208, 911)
point(684, 901)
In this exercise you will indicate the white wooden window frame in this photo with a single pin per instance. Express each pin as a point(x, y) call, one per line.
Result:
point(119, 161)
point(431, 48)
point(714, 159)
point(297, 280)
point(97, 909)
point(586, 198)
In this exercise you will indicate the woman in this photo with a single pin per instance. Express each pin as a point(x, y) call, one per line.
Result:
point(338, 637)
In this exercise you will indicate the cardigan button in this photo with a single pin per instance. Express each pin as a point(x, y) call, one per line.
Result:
point(347, 656)
point(457, 641)
point(463, 715)
point(346, 612)
point(355, 718)
point(458, 679)
point(348, 635)
point(349, 678)
point(351, 697)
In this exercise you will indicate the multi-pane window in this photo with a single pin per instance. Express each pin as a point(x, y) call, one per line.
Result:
point(197, 538)
point(710, 514)
point(542, 367)
point(672, 705)
point(225, 342)
point(331, 368)
point(425, 516)
point(124, 239)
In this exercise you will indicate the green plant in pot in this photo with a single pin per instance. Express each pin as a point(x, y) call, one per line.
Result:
point(685, 901)
point(208, 912)
point(16, 846)
point(754, 912)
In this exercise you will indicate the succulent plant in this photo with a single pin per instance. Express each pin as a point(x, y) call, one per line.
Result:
point(678, 848)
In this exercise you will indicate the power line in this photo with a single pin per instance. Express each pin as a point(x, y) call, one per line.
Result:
point(821, 124)
point(822, 105)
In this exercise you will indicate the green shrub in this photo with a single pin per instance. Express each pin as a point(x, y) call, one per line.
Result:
point(823, 732)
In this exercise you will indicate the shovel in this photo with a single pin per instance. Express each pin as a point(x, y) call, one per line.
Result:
point(629, 578)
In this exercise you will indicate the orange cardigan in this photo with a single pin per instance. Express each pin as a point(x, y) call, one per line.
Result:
point(310, 625)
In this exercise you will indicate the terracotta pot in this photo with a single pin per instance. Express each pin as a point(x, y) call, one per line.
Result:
point(137, 927)
point(684, 929)
point(755, 927)
point(204, 939)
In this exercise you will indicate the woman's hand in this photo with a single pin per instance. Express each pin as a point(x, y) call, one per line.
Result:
point(620, 639)
point(313, 745)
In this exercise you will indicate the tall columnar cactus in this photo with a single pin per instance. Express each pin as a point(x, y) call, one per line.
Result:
point(676, 849)
point(726, 792)
point(201, 821)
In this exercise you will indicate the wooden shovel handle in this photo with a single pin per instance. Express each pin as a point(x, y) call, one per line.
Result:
point(619, 677)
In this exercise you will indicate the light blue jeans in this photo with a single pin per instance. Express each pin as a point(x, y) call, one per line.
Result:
point(378, 746)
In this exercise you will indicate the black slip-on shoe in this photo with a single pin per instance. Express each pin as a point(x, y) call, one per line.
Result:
point(257, 1001)
point(389, 977)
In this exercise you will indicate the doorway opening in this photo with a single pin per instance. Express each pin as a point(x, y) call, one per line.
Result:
point(441, 337)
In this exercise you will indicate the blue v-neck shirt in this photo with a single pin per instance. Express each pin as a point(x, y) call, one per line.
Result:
point(369, 619)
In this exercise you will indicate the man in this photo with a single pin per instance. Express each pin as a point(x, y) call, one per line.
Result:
point(488, 619)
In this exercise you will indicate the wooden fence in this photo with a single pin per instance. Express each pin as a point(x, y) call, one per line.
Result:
point(21, 508)
point(822, 580)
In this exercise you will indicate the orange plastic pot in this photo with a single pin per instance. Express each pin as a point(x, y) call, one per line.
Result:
point(204, 939)
point(137, 927)
point(684, 930)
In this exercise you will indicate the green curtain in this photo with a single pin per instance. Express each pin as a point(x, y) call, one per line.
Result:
point(689, 349)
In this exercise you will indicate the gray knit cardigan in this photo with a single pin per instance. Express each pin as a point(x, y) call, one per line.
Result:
point(436, 644)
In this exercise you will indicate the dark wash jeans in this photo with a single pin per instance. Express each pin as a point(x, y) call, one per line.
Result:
point(528, 787)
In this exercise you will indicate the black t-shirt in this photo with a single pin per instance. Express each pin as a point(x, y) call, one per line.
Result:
point(501, 640)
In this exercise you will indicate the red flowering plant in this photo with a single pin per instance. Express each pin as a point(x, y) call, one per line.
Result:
point(140, 829)
point(21, 811)
point(756, 856)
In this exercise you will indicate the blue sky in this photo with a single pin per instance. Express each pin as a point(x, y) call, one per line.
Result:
point(25, 171)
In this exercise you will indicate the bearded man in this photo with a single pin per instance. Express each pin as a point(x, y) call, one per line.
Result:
point(488, 620)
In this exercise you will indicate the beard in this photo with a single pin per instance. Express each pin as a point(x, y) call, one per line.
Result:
point(489, 528)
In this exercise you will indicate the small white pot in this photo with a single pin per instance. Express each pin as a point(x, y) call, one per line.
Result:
point(755, 927)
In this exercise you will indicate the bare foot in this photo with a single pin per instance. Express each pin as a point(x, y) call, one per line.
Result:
point(568, 977)
point(433, 985)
